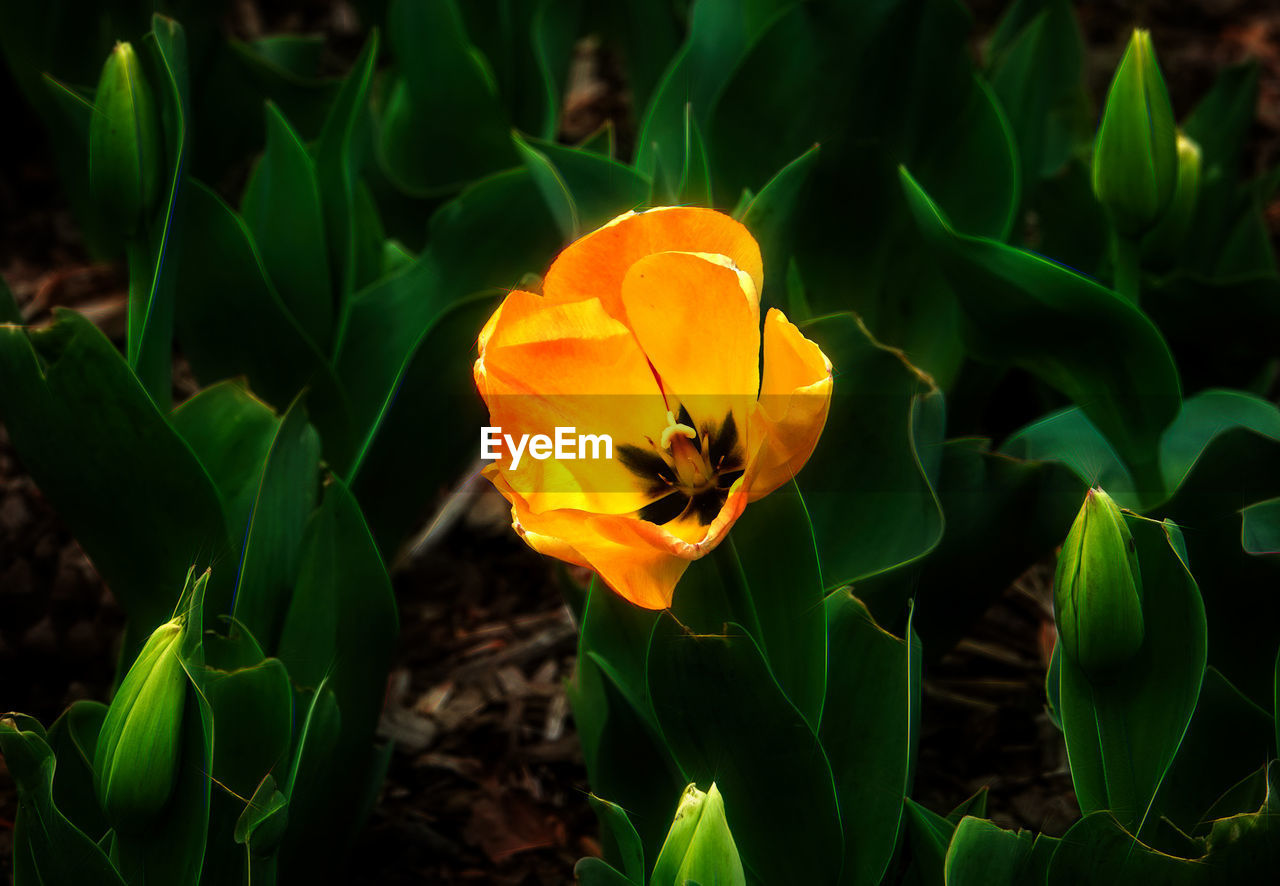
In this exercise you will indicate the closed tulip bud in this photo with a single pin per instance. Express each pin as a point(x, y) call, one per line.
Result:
point(1168, 235)
point(699, 848)
point(138, 747)
point(1135, 157)
point(1097, 593)
point(124, 142)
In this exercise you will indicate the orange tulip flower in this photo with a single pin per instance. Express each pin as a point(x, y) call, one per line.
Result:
point(648, 331)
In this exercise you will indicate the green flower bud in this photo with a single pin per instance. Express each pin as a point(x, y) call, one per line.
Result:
point(138, 748)
point(1097, 591)
point(1164, 240)
point(1135, 157)
point(124, 142)
point(699, 848)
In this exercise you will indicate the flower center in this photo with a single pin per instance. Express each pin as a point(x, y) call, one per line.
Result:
point(688, 470)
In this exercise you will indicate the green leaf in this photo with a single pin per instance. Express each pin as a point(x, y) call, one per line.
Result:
point(728, 721)
point(623, 755)
point(601, 188)
point(1025, 503)
point(231, 321)
point(1260, 527)
point(1228, 737)
point(339, 635)
point(615, 635)
point(1122, 736)
point(1025, 311)
point(620, 839)
point(73, 737)
point(770, 217)
point(927, 837)
point(230, 431)
point(338, 162)
point(596, 872)
point(272, 550)
point(50, 849)
point(151, 273)
point(982, 852)
point(867, 479)
point(281, 208)
point(66, 384)
point(552, 187)
point(252, 723)
point(870, 736)
point(774, 545)
point(1038, 75)
point(445, 78)
point(694, 188)
point(1098, 850)
point(389, 476)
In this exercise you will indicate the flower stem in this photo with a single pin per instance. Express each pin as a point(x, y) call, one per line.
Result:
point(1128, 268)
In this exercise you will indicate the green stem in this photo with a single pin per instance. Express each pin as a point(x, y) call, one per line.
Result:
point(1128, 268)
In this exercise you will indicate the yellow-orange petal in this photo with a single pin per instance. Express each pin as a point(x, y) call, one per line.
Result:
point(640, 561)
point(545, 365)
point(697, 319)
point(595, 265)
point(795, 397)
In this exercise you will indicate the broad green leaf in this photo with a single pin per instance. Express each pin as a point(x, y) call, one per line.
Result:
point(1228, 739)
point(230, 431)
point(774, 545)
point(982, 852)
point(866, 486)
point(49, 848)
point(602, 189)
point(309, 785)
point(1027, 504)
point(73, 737)
point(231, 321)
point(1098, 850)
point(1022, 310)
point(620, 839)
point(390, 477)
point(615, 635)
point(390, 318)
point(870, 736)
point(1122, 737)
point(338, 636)
point(252, 723)
point(927, 837)
point(1260, 527)
point(445, 78)
point(623, 756)
point(66, 384)
point(281, 208)
point(727, 720)
point(272, 551)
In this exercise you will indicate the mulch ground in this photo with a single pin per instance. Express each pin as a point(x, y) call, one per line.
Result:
point(487, 783)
